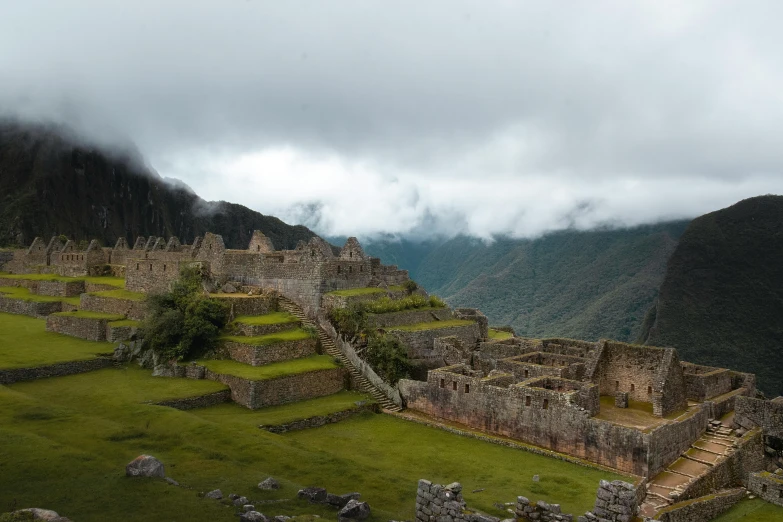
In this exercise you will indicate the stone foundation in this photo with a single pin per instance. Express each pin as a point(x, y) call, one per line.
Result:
point(203, 401)
point(37, 309)
point(130, 308)
point(767, 486)
point(59, 288)
point(321, 420)
point(82, 327)
point(420, 343)
point(436, 503)
point(53, 370)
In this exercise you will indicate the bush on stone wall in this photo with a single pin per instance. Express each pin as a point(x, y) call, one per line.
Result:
point(183, 323)
point(388, 358)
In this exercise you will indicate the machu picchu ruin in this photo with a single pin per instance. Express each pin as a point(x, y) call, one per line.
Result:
point(679, 438)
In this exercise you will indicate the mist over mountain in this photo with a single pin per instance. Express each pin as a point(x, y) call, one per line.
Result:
point(721, 301)
point(52, 183)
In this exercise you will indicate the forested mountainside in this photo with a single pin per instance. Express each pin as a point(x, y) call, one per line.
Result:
point(583, 285)
point(51, 184)
point(721, 301)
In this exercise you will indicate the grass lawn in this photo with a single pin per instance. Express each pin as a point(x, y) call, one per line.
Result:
point(432, 325)
point(66, 442)
point(24, 343)
point(270, 371)
point(18, 292)
point(357, 291)
point(295, 334)
point(104, 280)
point(83, 314)
point(241, 417)
point(499, 334)
point(755, 510)
point(121, 293)
point(273, 318)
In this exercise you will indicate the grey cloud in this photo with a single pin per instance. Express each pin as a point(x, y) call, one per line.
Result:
point(559, 109)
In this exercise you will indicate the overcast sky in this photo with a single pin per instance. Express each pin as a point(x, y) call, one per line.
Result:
point(359, 117)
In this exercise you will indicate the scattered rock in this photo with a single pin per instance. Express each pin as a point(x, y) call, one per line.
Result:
point(248, 507)
point(317, 495)
point(536, 478)
point(214, 494)
point(40, 514)
point(241, 501)
point(269, 484)
point(354, 510)
point(228, 288)
point(252, 516)
point(351, 496)
point(779, 471)
point(477, 490)
point(172, 481)
point(233, 496)
point(282, 518)
point(145, 466)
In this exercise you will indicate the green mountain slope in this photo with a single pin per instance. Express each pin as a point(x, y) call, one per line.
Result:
point(585, 285)
point(721, 302)
point(51, 183)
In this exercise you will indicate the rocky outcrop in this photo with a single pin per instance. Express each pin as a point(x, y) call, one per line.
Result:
point(145, 466)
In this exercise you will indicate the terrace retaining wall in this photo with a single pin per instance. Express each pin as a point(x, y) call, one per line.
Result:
point(59, 288)
point(251, 330)
point(702, 509)
point(82, 327)
point(13, 375)
point(321, 420)
point(37, 309)
point(260, 355)
point(420, 342)
point(130, 308)
point(203, 401)
point(404, 317)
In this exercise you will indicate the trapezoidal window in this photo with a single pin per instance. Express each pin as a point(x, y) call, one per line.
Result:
point(339, 269)
point(527, 373)
point(467, 388)
point(150, 267)
point(164, 268)
point(350, 269)
point(632, 387)
point(258, 248)
point(763, 488)
point(137, 266)
point(443, 383)
point(454, 385)
point(527, 400)
point(616, 385)
point(350, 254)
point(649, 390)
point(780, 493)
point(546, 404)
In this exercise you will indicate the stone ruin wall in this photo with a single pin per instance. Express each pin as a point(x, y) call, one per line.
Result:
point(420, 343)
point(135, 310)
point(84, 328)
point(260, 355)
point(565, 425)
point(702, 509)
point(767, 486)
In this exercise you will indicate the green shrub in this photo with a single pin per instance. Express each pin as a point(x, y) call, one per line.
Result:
point(184, 323)
point(410, 286)
point(351, 320)
point(388, 358)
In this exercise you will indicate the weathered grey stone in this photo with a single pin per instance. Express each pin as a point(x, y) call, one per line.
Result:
point(316, 495)
point(215, 494)
point(145, 466)
point(536, 478)
point(456, 487)
point(248, 507)
point(252, 516)
point(269, 484)
point(228, 288)
point(172, 481)
point(241, 501)
point(42, 514)
point(354, 510)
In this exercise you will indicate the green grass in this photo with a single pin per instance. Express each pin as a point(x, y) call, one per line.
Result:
point(357, 291)
point(499, 334)
point(24, 343)
point(295, 334)
point(104, 280)
point(19, 292)
point(120, 293)
point(238, 416)
point(432, 325)
point(83, 314)
point(755, 510)
point(270, 371)
point(273, 318)
point(66, 442)
point(125, 322)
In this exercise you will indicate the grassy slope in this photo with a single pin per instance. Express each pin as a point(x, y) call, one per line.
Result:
point(583, 285)
point(104, 280)
point(120, 293)
point(271, 371)
point(231, 413)
point(273, 318)
point(24, 342)
point(357, 291)
point(295, 334)
point(721, 302)
point(67, 440)
point(755, 510)
point(19, 292)
point(432, 325)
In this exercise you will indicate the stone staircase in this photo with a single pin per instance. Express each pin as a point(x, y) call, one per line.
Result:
point(330, 348)
point(717, 443)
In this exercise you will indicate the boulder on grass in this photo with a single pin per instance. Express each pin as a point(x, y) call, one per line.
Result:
point(252, 516)
point(145, 466)
point(215, 494)
point(315, 495)
point(354, 510)
point(269, 484)
point(39, 514)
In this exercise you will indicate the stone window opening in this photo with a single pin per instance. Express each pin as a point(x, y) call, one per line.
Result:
point(527, 400)
point(546, 404)
point(258, 248)
point(527, 374)
point(649, 390)
point(632, 387)
point(350, 254)
point(780, 493)
point(350, 269)
point(763, 488)
point(454, 385)
point(164, 268)
point(150, 267)
point(443, 383)
point(616, 385)
point(137, 266)
point(339, 269)
point(361, 269)
point(467, 388)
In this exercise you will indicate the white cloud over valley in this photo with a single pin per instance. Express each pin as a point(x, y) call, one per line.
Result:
point(421, 117)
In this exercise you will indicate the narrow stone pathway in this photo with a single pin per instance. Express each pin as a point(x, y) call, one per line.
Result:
point(717, 443)
point(331, 349)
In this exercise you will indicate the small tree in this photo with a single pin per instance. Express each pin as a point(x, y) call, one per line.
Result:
point(183, 323)
point(410, 286)
point(388, 358)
